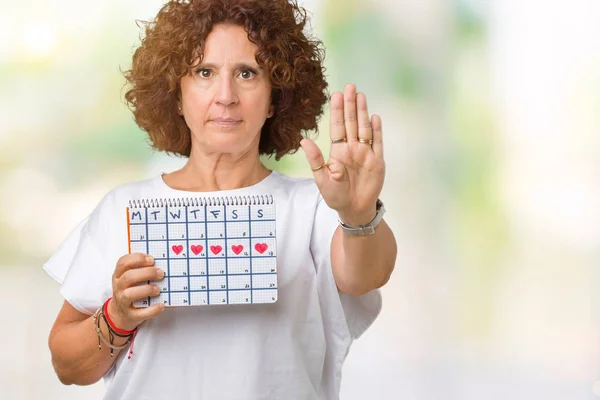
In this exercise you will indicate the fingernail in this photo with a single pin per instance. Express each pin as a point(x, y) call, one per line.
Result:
point(150, 259)
point(161, 273)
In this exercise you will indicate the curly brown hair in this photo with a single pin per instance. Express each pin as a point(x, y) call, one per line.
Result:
point(174, 41)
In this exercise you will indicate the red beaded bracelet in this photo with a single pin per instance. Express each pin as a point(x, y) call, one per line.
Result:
point(111, 325)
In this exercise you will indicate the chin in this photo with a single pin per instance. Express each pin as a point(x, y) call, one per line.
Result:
point(226, 140)
point(229, 144)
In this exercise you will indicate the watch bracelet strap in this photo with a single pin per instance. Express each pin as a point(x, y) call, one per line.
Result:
point(367, 229)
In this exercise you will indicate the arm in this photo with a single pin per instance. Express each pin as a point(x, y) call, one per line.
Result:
point(350, 183)
point(73, 340)
point(363, 263)
point(74, 347)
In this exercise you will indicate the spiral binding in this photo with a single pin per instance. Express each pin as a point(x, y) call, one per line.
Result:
point(256, 200)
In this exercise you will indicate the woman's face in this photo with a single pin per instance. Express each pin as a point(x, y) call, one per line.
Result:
point(227, 98)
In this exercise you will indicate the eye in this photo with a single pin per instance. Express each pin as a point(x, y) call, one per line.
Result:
point(204, 73)
point(247, 74)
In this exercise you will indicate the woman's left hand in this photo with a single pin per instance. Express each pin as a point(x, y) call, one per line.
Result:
point(351, 181)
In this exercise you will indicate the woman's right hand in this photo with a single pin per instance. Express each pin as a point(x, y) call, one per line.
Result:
point(131, 270)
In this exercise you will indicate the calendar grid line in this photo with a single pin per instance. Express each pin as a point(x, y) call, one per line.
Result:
point(168, 253)
point(217, 258)
point(147, 246)
point(206, 252)
point(212, 275)
point(216, 275)
point(226, 249)
point(235, 237)
point(251, 273)
point(187, 250)
point(220, 290)
point(200, 222)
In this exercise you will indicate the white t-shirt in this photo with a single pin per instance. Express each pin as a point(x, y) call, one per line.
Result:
point(291, 349)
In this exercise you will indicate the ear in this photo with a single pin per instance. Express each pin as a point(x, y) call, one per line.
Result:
point(271, 111)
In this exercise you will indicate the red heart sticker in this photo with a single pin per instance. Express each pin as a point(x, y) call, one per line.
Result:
point(196, 249)
point(237, 249)
point(216, 249)
point(177, 249)
point(261, 247)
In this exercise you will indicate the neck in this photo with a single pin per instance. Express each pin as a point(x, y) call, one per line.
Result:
point(207, 172)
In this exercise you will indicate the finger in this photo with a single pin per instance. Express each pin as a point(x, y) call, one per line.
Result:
point(127, 317)
point(142, 314)
point(337, 129)
point(377, 135)
point(364, 124)
point(132, 277)
point(129, 295)
point(315, 159)
point(133, 260)
point(350, 117)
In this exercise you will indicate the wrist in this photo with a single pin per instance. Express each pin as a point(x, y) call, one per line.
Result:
point(109, 334)
point(116, 322)
point(360, 228)
point(358, 219)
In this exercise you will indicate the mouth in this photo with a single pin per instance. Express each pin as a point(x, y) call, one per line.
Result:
point(225, 121)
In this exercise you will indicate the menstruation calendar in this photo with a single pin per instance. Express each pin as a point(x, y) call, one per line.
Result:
point(216, 250)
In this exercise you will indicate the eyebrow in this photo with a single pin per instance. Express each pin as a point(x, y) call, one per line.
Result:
point(235, 66)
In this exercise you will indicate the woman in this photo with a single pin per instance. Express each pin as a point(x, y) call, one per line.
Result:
point(221, 83)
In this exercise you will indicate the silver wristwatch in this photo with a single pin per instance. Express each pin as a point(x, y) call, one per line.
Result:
point(367, 229)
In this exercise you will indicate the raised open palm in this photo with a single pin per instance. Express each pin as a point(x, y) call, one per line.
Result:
point(351, 180)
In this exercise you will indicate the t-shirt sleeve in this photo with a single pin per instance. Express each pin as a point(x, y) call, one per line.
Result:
point(80, 266)
point(359, 312)
point(57, 266)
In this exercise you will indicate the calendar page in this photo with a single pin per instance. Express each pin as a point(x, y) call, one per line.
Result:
point(219, 250)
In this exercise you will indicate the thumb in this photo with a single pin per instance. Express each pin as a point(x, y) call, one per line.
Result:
point(314, 157)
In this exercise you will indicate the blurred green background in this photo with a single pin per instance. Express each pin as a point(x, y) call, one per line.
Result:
point(491, 131)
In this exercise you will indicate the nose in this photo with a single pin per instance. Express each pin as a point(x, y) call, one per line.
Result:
point(226, 92)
